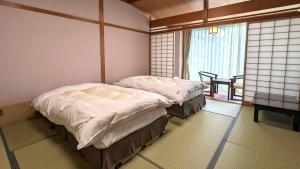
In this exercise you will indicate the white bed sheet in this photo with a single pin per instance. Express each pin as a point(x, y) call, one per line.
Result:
point(89, 110)
point(117, 133)
point(193, 94)
point(176, 90)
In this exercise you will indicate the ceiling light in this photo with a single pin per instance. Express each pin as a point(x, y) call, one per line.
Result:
point(213, 30)
point(298, 10)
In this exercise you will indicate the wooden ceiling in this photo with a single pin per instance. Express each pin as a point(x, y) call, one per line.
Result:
point(165, 8)
point(168, 15)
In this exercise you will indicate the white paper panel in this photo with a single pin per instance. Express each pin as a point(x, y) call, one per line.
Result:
point(263, 78)
point(291, 93)
point(281, 36)
point(253, 31)
point(294, 34)
point(264, 66)
point(253, 26)
point(282, 29)
point(276, 91)
point(282, 22)
point(253, 43)
point(250, 82)
point(273, 58)
point(277, 73)
point(264, 72)
point(268, 24)
point(276, 85)
point(263, 84)
point(252, 60)
point(253, 37)
point(295, 28)
point(281, 42)
point(250, 77)
point(292, 86)
point(267, 30)
point(266, 42)
point(266, 36)
point(277, 79)
point(293, 68)
point(265, 54)
point(294, 48)
point(295, 21)
point(295, 41)
point(266, 48)
point(293, 74)
point(162, 55)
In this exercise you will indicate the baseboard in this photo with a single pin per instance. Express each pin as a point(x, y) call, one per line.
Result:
point(15, 113)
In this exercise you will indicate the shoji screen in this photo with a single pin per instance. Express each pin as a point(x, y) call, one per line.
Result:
point(162, 55)
point(273, 58)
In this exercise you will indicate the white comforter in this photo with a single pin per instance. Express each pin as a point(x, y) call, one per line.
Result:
point(177, 90)
point(87, 110)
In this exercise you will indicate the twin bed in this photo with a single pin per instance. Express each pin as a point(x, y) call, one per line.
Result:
point(186, 96)
point(109, 123)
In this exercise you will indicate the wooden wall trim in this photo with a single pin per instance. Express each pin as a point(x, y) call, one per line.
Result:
point(102, 43)
point(44, 11)
point(17, 112)
point(125, 28)
point(60, 14)
point(238, 8)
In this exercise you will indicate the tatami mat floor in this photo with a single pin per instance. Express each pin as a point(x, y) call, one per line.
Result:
point(190, 143)
point(4, 162)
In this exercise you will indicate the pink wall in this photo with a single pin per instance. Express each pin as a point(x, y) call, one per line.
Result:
point(84, 8)
point(40, 52)
point(121, 13)
point(127, 54)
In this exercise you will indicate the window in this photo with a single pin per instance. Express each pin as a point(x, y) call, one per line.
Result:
point(222, 53)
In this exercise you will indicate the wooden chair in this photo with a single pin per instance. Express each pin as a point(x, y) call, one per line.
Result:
point(210, 77)
point(236, 84)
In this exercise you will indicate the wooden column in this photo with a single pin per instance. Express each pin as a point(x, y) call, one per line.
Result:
point(102, 45)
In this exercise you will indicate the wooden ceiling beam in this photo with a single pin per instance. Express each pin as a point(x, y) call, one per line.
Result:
point(238, 8)
point(249, 6)
point(205, 11)
point(189, 17)
point(130, 1)
point(249, 19)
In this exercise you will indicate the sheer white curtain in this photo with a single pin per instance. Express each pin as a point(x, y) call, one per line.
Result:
point(221, 53)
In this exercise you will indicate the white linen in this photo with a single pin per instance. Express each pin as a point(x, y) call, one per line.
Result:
point(177, 90)
point(193, 94)
point(87, 110)
point(120, 131)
